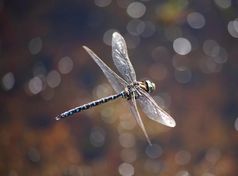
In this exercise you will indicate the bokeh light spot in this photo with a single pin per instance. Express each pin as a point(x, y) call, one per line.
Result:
point(222, 56)
point(196, 20)
point(136, 9)
point(8, 81)
point(135, 27)
point(208, 174)
point(149, 29)
point(53, 79)
point(223, 3)
point(102, 90)
point(153, 166)
point(236, 124)
point(183, 76)
point(65, 65)
point(35, 85)
point(218, 54)
point(153, 151)
point(180, 62)
point(126, 122)
point(35, 45)
point(127, 140)
point(182, 173)
point(107, 115)
point(102, 3)
point(233, 28)
point(182, 157)
point(97, 137)
point(126, 169)
point(208, 65)
point(182, 46)
point(128, 155)
point(107, 36)
point(211, 48)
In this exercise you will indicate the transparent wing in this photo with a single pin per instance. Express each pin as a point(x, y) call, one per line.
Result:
point(136, 115)
point(116, 81)
point(153, 111)
point(121, 59)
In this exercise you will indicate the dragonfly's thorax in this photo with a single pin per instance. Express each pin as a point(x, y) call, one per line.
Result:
point(133, 89)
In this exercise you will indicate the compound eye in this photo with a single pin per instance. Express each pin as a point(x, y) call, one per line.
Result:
point(150, 86)
point(153, 86)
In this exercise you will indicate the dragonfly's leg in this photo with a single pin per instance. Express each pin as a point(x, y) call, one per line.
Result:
point(126, 94)
point(137, 93)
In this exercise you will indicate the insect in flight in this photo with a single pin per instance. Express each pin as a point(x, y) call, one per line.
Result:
point(128, 88)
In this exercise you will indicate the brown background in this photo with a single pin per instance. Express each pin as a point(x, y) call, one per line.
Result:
point(105, 140)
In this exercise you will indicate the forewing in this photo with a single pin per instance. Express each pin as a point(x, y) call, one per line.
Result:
point(153, 111)
point(136, 115)
point(121, 59)
point(116, 81)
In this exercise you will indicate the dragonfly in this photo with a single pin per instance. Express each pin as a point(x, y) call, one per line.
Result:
point(126, 87)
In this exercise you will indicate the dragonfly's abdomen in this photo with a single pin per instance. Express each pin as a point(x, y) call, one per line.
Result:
point(89, 105)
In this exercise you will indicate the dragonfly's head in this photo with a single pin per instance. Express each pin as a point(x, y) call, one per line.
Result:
point(150, 86)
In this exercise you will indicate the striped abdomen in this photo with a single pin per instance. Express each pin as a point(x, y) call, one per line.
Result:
point(89, 105)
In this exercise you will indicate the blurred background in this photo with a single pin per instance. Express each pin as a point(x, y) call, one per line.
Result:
point(188, 48)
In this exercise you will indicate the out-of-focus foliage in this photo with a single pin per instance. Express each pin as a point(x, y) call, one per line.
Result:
point(188, 48)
